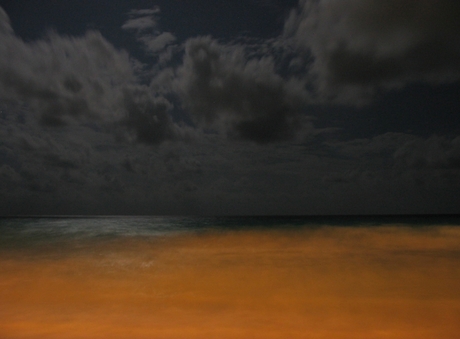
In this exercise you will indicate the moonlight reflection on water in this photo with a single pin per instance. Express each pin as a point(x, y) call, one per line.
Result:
point(329, 282)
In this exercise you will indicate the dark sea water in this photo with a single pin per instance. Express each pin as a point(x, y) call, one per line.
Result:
point(230, 277)
point(30, 230)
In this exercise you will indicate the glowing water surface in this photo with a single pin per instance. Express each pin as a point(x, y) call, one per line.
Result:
point(188, 278)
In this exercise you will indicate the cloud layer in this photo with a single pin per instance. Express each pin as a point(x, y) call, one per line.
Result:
point(62, 100)
point(360, 46)
point(355, 48)
point(244, 97)
point(66, 79)
point(145, 24)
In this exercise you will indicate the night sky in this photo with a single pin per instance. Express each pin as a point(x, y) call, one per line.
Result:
point(213, 107)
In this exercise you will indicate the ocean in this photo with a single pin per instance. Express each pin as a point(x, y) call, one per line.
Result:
point(331, 277)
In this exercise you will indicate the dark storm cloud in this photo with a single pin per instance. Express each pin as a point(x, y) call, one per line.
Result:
point(9, 178)
point(53, 167)
point(359, 46)
point(68, 79)
point(245, 98)
point(64, 77)
point(29, 144)
point(404, 150)
point(435, 152)
point(411, 165)
point(244, 87)
point(148, 116)
point(380, 145)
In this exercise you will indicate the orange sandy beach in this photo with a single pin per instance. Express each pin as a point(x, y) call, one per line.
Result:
point(325, 283)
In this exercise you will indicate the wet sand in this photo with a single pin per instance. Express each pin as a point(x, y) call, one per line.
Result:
point(328, 283)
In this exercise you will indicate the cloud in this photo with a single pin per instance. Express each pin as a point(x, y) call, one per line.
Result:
point(435, 152)
point(5, 24)
point(148, 116)
point(383, 145)
point(399, 164)
point(140, 24)
point(8, 177)
point(141, 19)
point(144, 22)
point(148, 11)
point(360, 46)
point(67, 79)
point(64, 77)
point(156, 43)
point(244, 98)
point(403, 150)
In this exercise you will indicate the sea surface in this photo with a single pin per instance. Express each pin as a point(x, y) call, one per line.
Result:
point(330, 277)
